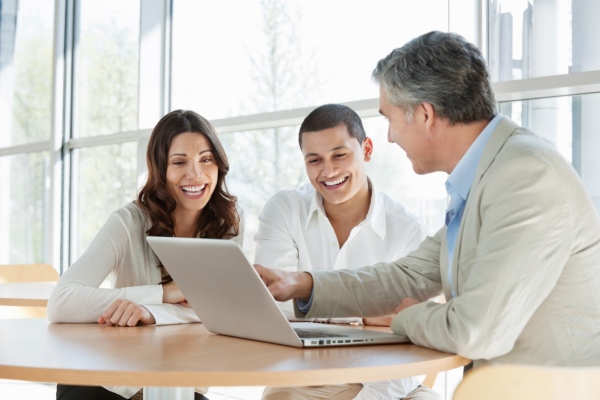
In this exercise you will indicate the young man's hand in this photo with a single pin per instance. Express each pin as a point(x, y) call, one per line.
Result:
point(285, 285)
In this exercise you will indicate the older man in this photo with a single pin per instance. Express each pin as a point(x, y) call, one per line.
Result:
point(519, 257)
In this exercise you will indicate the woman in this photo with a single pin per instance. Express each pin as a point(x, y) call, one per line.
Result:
point(185, 196)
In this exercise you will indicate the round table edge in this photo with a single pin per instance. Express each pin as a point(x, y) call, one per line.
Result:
point(231, 378)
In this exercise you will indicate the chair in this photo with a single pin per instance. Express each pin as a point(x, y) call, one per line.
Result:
point(430, 379)
point(528, 382)
point(26, 273)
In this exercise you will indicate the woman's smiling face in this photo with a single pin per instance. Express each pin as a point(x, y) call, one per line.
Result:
point(192, 171)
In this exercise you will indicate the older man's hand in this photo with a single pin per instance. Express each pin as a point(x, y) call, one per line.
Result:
point(285, 285)
point(387, 321)
point(405, 303)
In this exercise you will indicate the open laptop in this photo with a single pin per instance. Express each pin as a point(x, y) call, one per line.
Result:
point(231, 299)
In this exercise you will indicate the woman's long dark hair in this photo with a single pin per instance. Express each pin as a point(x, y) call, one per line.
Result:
point(219, 219)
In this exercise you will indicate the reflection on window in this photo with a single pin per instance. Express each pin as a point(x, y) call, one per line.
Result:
point(106, 68)
point(392, 173)
point(23, 207)
point(104, 180)
point(25, 71)
point(275, 55)
point(572, 124)
point(533, 38)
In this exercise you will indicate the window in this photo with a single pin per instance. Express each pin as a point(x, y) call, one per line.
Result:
point(277, 55)
point(104, 180)
point(106, 81)
point(533, 38)
point(27, 29)
point(26, 72)
point(274, 60)
point(106, 69)
point(24, 195)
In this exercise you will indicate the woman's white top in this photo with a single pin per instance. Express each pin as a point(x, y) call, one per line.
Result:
point(120, 252)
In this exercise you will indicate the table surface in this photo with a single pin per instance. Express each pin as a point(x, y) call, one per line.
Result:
point(27, 294)
point(189, 355)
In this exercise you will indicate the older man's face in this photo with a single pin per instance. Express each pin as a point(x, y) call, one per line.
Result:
point(410, 137)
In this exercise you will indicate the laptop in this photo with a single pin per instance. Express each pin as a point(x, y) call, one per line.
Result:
point(231, 299)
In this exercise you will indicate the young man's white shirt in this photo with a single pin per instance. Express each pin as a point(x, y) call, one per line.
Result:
point(295, 234)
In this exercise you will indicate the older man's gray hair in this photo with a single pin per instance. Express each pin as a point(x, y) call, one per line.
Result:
point(441, 69)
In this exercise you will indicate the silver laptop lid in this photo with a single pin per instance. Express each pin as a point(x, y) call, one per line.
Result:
point(223, 289)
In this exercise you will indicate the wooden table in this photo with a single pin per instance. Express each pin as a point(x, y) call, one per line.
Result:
point(183, 356)
point(28, 294)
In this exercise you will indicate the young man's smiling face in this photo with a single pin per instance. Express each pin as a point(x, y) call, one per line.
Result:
point(335, 162)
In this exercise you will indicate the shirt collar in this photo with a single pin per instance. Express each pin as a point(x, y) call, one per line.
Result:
point(316, 205)
point(375, 215)
point(461, 178)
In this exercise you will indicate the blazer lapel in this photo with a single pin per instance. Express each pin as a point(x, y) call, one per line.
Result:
point(503, 131)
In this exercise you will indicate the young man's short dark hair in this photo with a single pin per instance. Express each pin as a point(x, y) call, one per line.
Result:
point(330, 116)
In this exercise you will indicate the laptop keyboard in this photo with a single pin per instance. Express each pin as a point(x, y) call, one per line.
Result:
point(309, 333)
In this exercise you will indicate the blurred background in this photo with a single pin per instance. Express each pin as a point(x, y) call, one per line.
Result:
point(83, 82)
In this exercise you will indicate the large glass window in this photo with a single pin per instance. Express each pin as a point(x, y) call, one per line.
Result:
point(535, 38)
point(276, 55)
point(104, 179)
point(25, 71)
point(23, 207)
point(107, 67)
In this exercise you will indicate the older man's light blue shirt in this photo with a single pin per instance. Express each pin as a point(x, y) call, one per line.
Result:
point(459, 185)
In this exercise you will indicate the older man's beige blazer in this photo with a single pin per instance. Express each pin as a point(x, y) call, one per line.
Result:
point(526, 267)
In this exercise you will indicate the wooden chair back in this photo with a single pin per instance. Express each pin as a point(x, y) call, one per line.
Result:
point(25, 273)
point(28, 273)
point(527, 382)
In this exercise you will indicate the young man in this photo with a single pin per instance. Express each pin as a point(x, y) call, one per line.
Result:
point(339, 220)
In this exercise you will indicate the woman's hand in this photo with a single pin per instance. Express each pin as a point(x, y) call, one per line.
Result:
point(126, 313)
point(378, 321)
point(172, 295)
